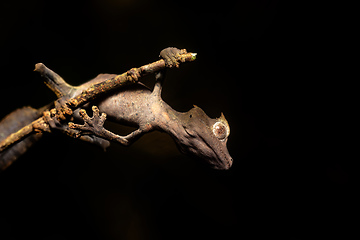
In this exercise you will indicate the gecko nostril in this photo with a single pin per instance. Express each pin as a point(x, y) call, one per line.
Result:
point(230, 162)
point(227, 165)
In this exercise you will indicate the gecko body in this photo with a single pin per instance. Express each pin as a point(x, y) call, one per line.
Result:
point(194, 132)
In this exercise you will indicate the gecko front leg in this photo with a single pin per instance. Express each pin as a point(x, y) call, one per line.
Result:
point(56, 125)
point(95, 126)
point(172, 57)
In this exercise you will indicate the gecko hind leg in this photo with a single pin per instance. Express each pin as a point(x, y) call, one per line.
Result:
point(56, 83)
point(95, 126)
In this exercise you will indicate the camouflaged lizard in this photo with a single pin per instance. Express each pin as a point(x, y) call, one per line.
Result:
point(194, 132)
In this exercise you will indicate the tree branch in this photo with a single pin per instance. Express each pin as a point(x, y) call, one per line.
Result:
point(130, 77)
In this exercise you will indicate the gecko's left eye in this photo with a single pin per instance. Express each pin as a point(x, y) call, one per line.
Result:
point(219, 130)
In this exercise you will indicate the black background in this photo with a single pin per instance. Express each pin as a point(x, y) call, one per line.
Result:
point(275, 69)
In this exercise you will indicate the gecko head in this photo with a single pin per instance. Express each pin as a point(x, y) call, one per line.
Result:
point(205, 138)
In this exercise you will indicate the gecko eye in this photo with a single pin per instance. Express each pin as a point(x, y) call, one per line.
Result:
point(219, 130)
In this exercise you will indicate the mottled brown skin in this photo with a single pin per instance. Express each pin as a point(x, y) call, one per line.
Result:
point(193, 131)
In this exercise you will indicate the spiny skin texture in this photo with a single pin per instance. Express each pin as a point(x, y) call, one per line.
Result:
point(194, 132)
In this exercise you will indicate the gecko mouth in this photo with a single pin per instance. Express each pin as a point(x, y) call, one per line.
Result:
point(217, 155)
point(223, 160)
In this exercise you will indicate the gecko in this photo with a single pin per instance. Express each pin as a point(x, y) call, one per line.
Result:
point(136, 105)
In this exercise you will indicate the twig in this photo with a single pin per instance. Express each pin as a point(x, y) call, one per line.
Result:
point(130, 77)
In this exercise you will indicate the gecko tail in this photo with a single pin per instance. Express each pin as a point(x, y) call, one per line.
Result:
point(13, 122)
point(56, 83)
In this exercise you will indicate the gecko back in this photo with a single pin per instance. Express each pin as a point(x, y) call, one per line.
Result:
point(11, 123)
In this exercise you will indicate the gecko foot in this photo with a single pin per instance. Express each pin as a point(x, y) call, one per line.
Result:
point(62, 109)
point(95, 126)
point(134, 74)
point(57, 115)
point(53, 122)
point(172, 56)
point(92, 125)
